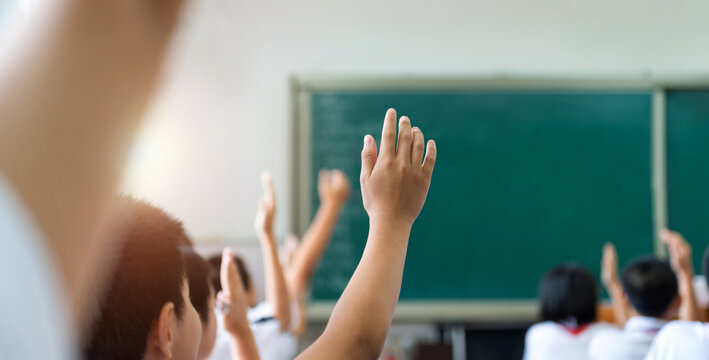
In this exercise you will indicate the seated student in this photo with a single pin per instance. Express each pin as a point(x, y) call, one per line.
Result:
point(569, 301)
point(146, 312)
point(685, 340)
point(280, 319)
point(647, 296)
point(202, 297)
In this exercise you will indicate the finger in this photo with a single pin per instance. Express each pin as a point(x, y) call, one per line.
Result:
point(430, 160)
point(417, 147)
point(388, 143)
point(369, 157)
point(403, 148)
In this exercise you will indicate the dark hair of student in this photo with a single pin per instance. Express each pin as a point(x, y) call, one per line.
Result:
point(149, 273)
point(199, 277)
point(568, 293)
point(650, 285)
point(216, 263)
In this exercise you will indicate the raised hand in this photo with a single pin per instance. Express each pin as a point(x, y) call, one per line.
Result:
point(333, 187)
point(232, 298)
point(609, 266)
point(681, 262)
point(266, 211)
point(680, 251)
point(395, 182)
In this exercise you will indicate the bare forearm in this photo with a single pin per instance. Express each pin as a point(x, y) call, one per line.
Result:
point(360, 321)
point(688, 309)
point(615, 291)
point(71, 98)
point(314, 243)
point(243, 346)
point(276, 288)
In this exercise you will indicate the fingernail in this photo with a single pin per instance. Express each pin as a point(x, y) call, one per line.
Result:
point(404, 118)
point(415, 128)
point(368, 140)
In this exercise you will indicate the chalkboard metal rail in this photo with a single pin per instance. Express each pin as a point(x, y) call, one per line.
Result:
point(473, 310)
point(502, 310)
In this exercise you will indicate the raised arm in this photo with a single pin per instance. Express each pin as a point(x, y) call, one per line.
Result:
point(73, 86)
point(611, 281)
point(394, 188)
point(334, 190)
point(681, 261)
point(232, 301)
point(276, 288)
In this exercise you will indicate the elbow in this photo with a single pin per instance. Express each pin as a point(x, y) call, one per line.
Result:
point(370, 345)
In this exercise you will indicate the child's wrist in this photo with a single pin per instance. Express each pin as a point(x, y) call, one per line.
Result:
point(265, 235)
point(333, 202)
point(391, 226)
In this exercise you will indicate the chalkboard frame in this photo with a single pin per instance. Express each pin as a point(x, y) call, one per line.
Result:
point(302, 87)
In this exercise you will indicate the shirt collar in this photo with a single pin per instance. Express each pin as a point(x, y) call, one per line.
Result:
point(644, 324)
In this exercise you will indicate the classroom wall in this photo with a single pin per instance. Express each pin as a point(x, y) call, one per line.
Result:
point(223, 114)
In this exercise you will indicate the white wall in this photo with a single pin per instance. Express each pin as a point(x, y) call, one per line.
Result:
point(223, 113)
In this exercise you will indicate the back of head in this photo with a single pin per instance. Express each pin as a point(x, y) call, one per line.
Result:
point(568, 293)
point(198, 276)
point(650, 286)
point(216, 263)
point(149, 273)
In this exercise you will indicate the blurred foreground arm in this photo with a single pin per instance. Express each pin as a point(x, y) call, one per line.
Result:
point(73, 87)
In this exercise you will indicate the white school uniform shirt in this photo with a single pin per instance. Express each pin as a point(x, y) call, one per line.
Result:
point(549, 341)
point(34, 321)
point(272, 343)
point(630, 343)
point(681, 340)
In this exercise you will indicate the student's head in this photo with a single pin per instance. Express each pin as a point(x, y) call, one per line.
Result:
point(568, 293)
point(202, 296)
point(216, 263)
point(146, 311)
point(651, 287)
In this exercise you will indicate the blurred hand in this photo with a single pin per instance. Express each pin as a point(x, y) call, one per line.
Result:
point(680, 252)
point(333, 187)
point(609, 266)
point(232, 298)
point(395, 183)
point(266, 210)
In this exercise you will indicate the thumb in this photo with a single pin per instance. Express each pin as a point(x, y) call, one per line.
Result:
point(369, 156)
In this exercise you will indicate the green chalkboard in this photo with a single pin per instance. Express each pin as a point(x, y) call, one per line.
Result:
point(688, 166)
point(525, 179)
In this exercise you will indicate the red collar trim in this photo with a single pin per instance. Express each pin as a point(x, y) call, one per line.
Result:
point(575, 330)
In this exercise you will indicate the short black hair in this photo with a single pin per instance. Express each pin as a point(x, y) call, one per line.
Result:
point(216, 262)
point(149, 273)
point(650, 285)
point(198, 277)
point(568, 293)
